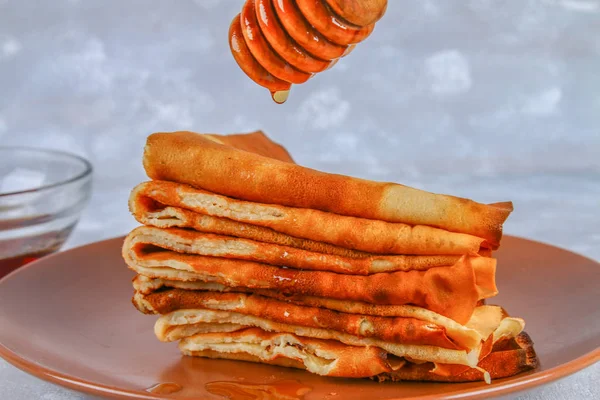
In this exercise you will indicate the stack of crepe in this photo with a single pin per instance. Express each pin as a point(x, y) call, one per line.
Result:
point(248, 256)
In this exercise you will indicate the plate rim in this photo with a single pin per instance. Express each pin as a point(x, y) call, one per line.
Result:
point(505, 386)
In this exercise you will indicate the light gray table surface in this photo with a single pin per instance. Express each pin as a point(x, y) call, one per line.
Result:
point(486, 99)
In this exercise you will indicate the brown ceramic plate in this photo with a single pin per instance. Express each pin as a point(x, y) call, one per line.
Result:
point(68, 319)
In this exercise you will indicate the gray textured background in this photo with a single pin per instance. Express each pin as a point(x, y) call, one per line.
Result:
point(491, 100)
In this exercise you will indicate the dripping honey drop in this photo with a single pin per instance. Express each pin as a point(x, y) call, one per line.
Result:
point(280, 96)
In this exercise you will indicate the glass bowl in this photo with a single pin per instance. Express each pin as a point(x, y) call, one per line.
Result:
point(42, 194)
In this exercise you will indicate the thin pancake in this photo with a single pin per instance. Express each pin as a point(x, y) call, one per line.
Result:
point(348, 232)
point(331, 358)
point(322, 357)
point(187, 157)
point(480, 324)
point(404, 330)
point(254, 142)
point(182, 324)
point(450, 291)
point(208, 244)
point(507, 328)
point(176, 217)
point(413, 325)
point(186, 323)
point(508, 358)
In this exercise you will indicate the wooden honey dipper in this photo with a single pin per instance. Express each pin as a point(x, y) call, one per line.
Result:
point(278, 43)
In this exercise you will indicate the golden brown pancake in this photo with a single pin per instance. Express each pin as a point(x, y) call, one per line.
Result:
point(149, 201)
point(176, 217)
point(323, 357)
point(333, 358)
point(507, 358)
point(194, 159)
point(255, 142)
point(450, 291)
point(415, 326)
point(183, 323)
point(405, 330)
point(480, 324)
point(208, 244)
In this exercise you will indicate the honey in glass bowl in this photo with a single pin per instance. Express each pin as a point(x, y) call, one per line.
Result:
point(42, 194)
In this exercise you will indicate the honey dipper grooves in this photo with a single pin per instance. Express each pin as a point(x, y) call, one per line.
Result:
point(278, 43)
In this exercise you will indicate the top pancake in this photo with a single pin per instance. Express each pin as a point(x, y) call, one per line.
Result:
point(254, 142)
point(194, 159)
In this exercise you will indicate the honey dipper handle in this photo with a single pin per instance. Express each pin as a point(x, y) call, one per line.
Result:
point(359, 12)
